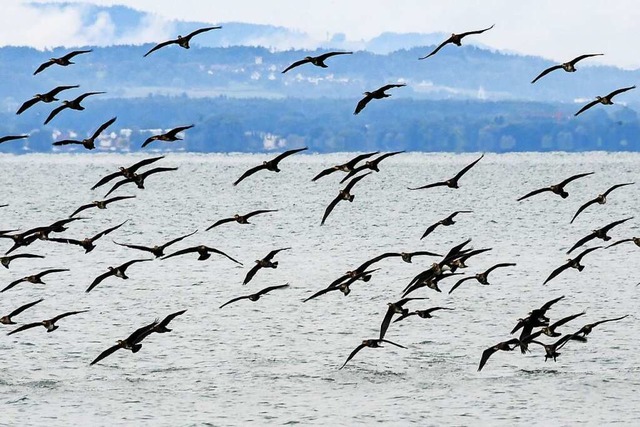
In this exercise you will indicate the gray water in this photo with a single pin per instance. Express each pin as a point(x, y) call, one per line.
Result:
point(276, 361)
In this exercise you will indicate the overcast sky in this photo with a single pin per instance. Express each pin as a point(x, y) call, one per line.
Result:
point(555, 29)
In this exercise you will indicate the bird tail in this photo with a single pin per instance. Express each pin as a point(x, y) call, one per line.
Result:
point(351, 197)
point(136, 348)
point(580, 267)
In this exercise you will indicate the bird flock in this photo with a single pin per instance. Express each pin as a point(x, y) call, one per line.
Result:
point(533, 325)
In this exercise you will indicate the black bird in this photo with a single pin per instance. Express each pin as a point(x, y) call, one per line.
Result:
point(445, 222)
point(504, 346)
point(557, 188)
point(161, 328)
point(257, 295)
point(132, 342)
point(372, 165)
point(551, 350)
point(372, 343)
point(482, 277)
point(74, 104)
point(119, 271)
point(88, 243)
point(27, 237)
point(394, 308)
point(455, 39)
point(571, 263)
point(345, 167)
point(241, 219)
point(63, 60)
point(376, 94)
point(44, 97)
point(569, 67)
point(34, 278)
point(460, 262)
point(182, 41)
point(601, 199)
point(88, 143)
point(139, 179)
point(100, 204)
point(600, 233)
point(423, 314)
point(127, 172)
point(605, 100)
point(12, 138)
point(344, 286)
point(344, 194)
point(204, 252)
point(50, 324)
point(6, 260)
point(536, 318)
point(318, 61)
point(550, 330)
point(270, 165)
point(453, 182)
point(430, 281)
point(157, 250)
point(172, 135)
point(635, 240)
point(587, 329)
point(406, 257)
point(263, 263)
point(6, 320)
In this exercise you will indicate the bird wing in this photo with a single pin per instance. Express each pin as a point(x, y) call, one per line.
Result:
point(271, 288)
point(384, 156)
point(534, 192)
point(392, 343)
point(27, 104)
point(236, 299)
point(64, 240)
point(286, 154)
point(69, 313)
point(115, 199)
point(118, 185)
point(353, 172)
point(329, 208)
point(486, 355)
point(574, 177)
point(579, 257)
point(106, 179)
point(545, 72)
point(251, 273)
point(324, 173)
point(459, 282)
point(173, 132)
point(546, 306)
point(566, 320)
point(587, 106)
point(390, 86)
point(54, 113)
point(53, 270)
point(102, 128)
point(608, 227)
point(593, 325)
point(574, 61)
point(145, 174)
point(57, 90)
point(619, 91)
point(140, 248)
point(12, 138)
point(321, 292)
point(107, 231)
point(424, 253)
point(273, 253)
point(149, 140)
point(443, 44)
point(127, 264)
point(43, 66)
point(620, 241)
point(430, 229)
point(99, 279)
point(435, 184)
point(475, 32)
point(582, 241)
point(81, 208)
point(70, 55)
point(557, 271)
point(170, 317)
point(181, 252)
point(353, 162)
point(219, 252)
point(354, 181)
point(583, 207)
point(353, 353)
point(141, 333)
point(249, 172)
point(330, 54)
point(386, 321)
point(24, 307)
point(366, 264)
point(606, 193)
point(105, 353)
point(161, 45)
point(201, 30)
point(176, 240)
point(404, 316)
point(296, 64)
point(504, 264)
point(362, 103)
point(220, 222)
point(258, 212)
point(466, 169)
point(67, 142)
point(25, 327)
point(84, 95)
point(144, 162)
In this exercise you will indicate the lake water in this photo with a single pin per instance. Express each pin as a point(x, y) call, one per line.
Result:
point(276, 361)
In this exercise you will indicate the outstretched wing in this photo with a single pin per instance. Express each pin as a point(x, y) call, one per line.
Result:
point(142, 163)
point(106, 179)
point(43, 66)
point(574, 177)
point(70, 55)
point(504, 264)
point(459, 282)
point(107, 231)
point(361, 104)
point(443, 44)
point(606, 193)
point(81, 208)
point(181, 252)
point(140, 248)
point(235, 299)
point(219, 252)
point(27, 104)
point(430, 229)
point(201, 30)
point(287, 154)
point(251, 273)
point(329, 208)
point(579, 257)
point(249, 172)
point(386, 321)
point(296, 64)
point(475, 32)
point(25, 327)
point(54, 113)
point(534, 192)
point(321, 292)
point(105, 353)
point(169, 318)
point(354, 181)
point(353, 353)
point(620, 241)
point(103, 127)
point(435, 184)
point(583, 207)
point(608, 227)
point(582, 241)
point(173, 132)
point(466, 169)
point(67, 142)
point(557, 271)
point(99, 279)
point(24, 307)
point(176, 240)
point(118, 185)
point(619, 91)
point(258, 212)
point(69, 313)
point(574, 61)
point(160, 45)
point(272, 288)
point(587, 106)
point(486, 355)
point(545, 72)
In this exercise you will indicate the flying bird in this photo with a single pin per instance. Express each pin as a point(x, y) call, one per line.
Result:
point(455, 39)
point(88, 143)
point(453, 182)
point(87, 244)
point(139, 179)
point(49, 324)
point(126, 172)
point(445, 222)
point(63, 60)
point(394, 308)
point(344, 286)
point(605, 100)
point(263, 263)
point(44, 97)
point(371, 165)
point(587, 329)
point(100, 204)
point(344, 167)
point(257, 295)
point(600, 233)
point(423, 314)
point(344, 194)
point(569, 67)
point(119, 271)
point(74, 104)
point(376, 94)
point(172, 135)
point(536, 318)
point(7, 320)
point(371, 343)
point(132, 342)
point(271, 165)
point(551, 350)
point(240, 219)
point(34, 278)
point(550, 330)
point(182, 41)
point(504, 346)
point(157, 250)
point(318, 61)
point(204, 252)
point(571, 263)
point(6, 260)
point(482, 277)
point(12, 138)
point(601, 199)
point(556, 188)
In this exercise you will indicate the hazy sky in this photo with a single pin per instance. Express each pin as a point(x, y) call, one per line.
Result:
point(556, 29)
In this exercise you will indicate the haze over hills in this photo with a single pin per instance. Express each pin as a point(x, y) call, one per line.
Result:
point(228, 76)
